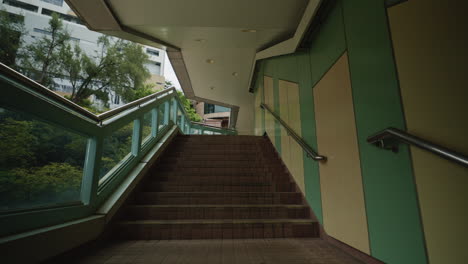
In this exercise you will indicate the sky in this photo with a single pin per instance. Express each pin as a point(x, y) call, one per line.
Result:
point(170, 75)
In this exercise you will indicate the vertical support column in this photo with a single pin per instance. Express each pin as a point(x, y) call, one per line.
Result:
point(154, 122)
point(136, 138)
point(92, 166)
point(202, 131)
point(182, 124)
point(167, 112)
point(174, 111)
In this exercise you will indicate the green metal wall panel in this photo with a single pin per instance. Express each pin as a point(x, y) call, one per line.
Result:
point(296, 68)
point(394, 224)
point(328, 45)
point(311, 167)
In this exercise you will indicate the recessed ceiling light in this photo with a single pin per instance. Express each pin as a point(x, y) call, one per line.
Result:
point(235, 74)
point(210, 61)
point(249, 30)
point(212, 87)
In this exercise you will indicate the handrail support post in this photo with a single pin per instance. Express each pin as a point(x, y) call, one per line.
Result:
point(136, 137)
point(154, 122)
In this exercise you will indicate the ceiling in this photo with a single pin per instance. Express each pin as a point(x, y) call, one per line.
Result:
point(194, 32)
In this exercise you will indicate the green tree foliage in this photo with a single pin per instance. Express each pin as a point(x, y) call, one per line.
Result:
point(39, 163)
point(15, 143)
point(192, 114)
point(117, 67)
point(11, 31)
point(168, 84)
point(116, 147)
point(41, 59)
point(54, 181)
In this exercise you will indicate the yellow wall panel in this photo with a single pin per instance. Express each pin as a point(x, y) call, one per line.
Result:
point(284, 114)
point(258, 111)
point(344, 212)
point(291, 152)
point(431, 57)
point(269, 120)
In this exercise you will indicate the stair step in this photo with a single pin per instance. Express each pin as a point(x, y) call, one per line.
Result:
point(211, 187)
point(208, 151)
point(169, 173)
point(219, 164)
point(214, 157)
point(180, 212)
point(215, 229)
point(219, 171)
point(218, 198)
point(220, 179)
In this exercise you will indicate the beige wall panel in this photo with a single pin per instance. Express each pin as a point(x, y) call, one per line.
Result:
point(284, 114)
point(296, 154)
point(344, 213)
point(258, 111)
point(430, 43)
point(269, 100)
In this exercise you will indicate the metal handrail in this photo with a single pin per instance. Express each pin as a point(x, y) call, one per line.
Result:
point(379, 138)
point(205, 125)
point(41, 89)
point(140, 101)
point(310, 152)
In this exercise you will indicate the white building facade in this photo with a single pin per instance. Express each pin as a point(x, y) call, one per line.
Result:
point(37, 14)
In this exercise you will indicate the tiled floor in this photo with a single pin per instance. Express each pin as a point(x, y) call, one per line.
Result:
point(241, 251)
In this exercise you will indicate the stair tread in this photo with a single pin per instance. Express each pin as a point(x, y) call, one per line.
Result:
point(217, 205)
point(221, 192)
point(221, 221)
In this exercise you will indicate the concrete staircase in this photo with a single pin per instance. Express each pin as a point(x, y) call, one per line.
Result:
point(212, 187)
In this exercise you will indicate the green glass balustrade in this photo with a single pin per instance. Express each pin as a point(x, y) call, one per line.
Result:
point(59, 162)
point(41, 164)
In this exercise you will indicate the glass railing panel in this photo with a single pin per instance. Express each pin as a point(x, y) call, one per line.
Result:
point(116, 150)
point(179, 118)
point(41, 164)
point(162, 112)
point(146, 127)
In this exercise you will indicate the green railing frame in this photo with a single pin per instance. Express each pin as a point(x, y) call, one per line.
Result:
point(21, 94)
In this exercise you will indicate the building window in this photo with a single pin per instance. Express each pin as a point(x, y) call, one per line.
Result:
point(44, 32)
point(153, 52)
point(69, 18)
point(48, 33)
point(154, 67)
point(211, 108)
point(21, 5)
point(117, 99)
point(54, 2)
